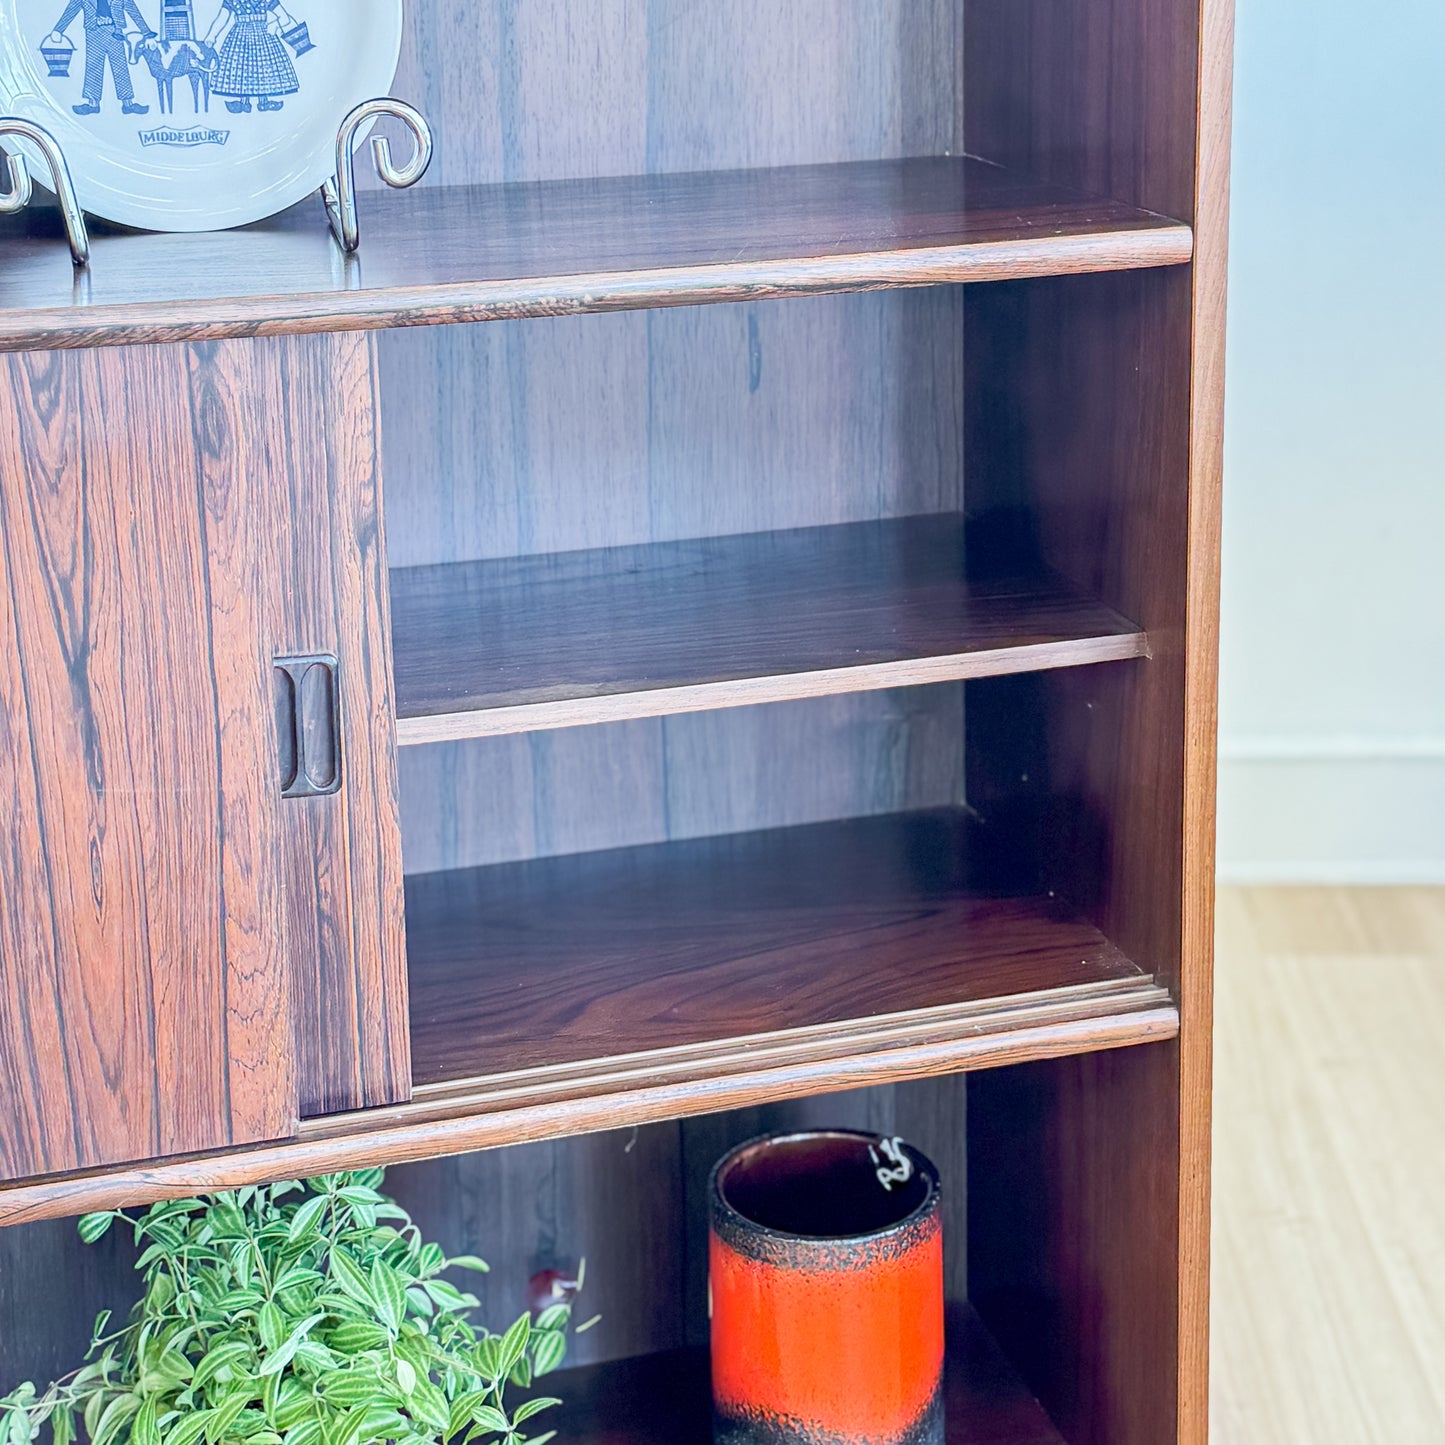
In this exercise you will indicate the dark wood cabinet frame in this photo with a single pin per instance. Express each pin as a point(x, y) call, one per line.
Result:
point(765, 675)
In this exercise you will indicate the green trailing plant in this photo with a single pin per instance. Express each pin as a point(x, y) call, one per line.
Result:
point(294, 1315)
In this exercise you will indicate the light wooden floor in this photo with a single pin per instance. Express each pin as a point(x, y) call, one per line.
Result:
point(1329, 1194)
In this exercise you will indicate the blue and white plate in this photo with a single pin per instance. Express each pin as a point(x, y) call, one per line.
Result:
point(194, 115)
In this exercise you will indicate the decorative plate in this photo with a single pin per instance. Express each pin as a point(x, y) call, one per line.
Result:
point(194, 115)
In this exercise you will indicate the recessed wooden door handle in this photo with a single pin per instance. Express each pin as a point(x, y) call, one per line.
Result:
point(307, 726)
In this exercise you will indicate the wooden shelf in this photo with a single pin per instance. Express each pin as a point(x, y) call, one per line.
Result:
point(665, 1399)
point(511, 646)
point(447, 254)
point(603, 990)
point(811, 942)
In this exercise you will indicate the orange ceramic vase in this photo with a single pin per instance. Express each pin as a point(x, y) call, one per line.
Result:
point(826, 1270)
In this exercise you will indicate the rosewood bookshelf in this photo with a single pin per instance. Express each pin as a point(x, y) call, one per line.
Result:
point(762, 497)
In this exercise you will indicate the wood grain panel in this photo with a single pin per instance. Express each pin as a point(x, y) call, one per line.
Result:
point(550, 248)
point(468, 805)
point(572, 433)
point(545, 90)
point(773, 416)
point(814, 762)
point(273, 418)
point(347, 931)
point(174, 520)
point(503, 647)
point(144, 1008)
point(516, 438)
point(743, 84)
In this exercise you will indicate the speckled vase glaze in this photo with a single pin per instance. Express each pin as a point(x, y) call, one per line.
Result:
point(826, 1273)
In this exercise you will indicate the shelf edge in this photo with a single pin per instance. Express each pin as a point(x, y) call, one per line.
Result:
point(417, 731)
point(811, 1043)
point(217, 318)
point(450, 1120)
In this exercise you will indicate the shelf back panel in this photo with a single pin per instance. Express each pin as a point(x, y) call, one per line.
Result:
point(551, 90)
point(583, 790)
point(530, 437)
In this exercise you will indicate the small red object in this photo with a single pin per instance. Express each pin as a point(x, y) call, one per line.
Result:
point(550, 1287)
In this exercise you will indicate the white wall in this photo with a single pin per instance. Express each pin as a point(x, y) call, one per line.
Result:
point(1332, 760)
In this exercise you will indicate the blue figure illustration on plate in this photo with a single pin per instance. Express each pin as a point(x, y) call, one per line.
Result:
point(253, 65)
point(114, 32)
point(243, 57)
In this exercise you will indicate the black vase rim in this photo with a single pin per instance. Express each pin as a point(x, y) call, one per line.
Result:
point(732, 1218)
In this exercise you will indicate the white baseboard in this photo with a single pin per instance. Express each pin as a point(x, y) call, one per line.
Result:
point(1346, 811)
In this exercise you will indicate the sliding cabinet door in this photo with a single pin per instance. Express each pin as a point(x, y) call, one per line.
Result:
point(200, 901)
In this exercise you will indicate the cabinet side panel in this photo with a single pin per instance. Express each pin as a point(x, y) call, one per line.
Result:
point(1097, 94)
point(1079, 445)
point(1196, 994)
point(1095, 414)
point(1073, 1197)
point(309, 426)
point(1080, 453)
point(143, 1006)
point(1100, 407)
